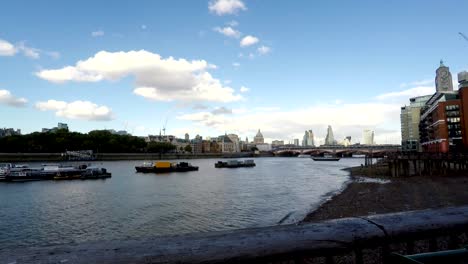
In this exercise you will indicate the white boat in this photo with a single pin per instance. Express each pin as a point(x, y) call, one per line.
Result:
point(303, 156)
point(4, 170)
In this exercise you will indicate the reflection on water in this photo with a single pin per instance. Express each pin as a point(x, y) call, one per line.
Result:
point(131, 205)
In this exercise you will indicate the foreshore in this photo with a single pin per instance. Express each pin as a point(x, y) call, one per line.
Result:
point(366, 195)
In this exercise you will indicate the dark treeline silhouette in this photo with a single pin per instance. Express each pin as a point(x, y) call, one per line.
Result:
point(100, 141)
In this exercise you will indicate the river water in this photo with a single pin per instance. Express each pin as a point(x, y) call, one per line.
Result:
point(134, 205)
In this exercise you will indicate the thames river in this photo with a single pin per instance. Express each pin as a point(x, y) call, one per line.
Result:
point(133, 205)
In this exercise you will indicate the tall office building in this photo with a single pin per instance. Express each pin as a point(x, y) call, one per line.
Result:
point(368, 137)
point(296, 142)
point(410, 117)
point(308, 138)
point(329, 139)
point(187, 137)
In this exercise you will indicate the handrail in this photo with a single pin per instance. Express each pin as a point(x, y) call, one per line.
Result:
point(256, 245)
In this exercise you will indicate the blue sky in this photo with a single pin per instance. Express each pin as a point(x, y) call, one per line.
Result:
point(302, 65)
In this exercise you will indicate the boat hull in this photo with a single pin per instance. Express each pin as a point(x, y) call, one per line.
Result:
point(144, 169)
point(326, 159)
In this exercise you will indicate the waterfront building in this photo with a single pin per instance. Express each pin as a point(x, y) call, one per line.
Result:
point(197, 145)
point(329, 139)
point(5, 132)
point(187, 137)
point(368, 137)
point(235, 140)
point(410, 117)
point(308, 139)
point(443, 125)
point(226, 144)
point(258, 139)
point(263, 147)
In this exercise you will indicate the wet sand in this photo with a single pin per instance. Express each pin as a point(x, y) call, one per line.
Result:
point(368, 196)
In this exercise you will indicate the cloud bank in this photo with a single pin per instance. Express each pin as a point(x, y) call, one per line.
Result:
point(156, 78)
point(84, 110)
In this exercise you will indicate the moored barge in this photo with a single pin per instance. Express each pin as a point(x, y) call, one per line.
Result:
point(165, 166)
point(235, 164)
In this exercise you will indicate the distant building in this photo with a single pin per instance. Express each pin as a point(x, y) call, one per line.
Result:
point(54, 129)
point(367, 137)
point(308, 139)
point(330, 139)
point(275, 143)
point(114, 132)
point(226, 144)
point(263, 147)
point(410, 116)
point(235, 140)
point(5, 132)
point(62, 126)
point(443, 79)
point(187, 137)
point(346, 141)
point(197, 145)
point(296, 142)
point(258, 139)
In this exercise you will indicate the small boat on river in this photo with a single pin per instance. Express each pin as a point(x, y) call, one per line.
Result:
point(165, 166)
point(326, 158)
point(55, 172)
point(235, 164)
point(303, 156)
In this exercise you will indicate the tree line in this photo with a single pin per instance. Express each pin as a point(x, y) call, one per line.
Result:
point(100, 141)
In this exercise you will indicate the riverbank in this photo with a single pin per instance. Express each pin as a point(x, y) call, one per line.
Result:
point(378, 195)
point(56, 157)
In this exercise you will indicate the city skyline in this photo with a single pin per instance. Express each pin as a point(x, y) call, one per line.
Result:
point(248, 66)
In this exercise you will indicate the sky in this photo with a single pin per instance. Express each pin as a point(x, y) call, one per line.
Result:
point(211, 67)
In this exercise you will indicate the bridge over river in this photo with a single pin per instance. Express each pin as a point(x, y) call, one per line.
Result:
point(340, 151)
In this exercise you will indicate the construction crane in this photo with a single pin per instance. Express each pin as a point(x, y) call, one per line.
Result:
point(463, 36)
point(164, 127)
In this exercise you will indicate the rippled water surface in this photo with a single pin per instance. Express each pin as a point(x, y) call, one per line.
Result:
point(132, 205)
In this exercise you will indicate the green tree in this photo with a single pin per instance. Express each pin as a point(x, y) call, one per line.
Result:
point(188, 148)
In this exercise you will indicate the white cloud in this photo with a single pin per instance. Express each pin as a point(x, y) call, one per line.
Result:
point(235, 64)
point(221, 111)
point(226, 7)
point(77, 110)
point(29, 52)
point(382, 115)
point(156, 78)
point(232, 23)
point(264, 50)
point(248, 41)
point(244, 89)
point(228, 32)
point(8, 99)
point(6, 48)
point(346, 120)
point(418, 83)
point(98, 33)
point(406, 94)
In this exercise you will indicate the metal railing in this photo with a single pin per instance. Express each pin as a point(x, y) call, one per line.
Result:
point(321, 242)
